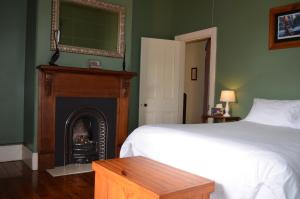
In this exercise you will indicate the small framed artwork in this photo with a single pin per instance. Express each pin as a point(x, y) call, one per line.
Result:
point(194, 73)
point(284, 26)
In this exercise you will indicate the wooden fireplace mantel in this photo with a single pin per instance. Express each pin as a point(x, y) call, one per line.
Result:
point(61, 81)
point(68, 69)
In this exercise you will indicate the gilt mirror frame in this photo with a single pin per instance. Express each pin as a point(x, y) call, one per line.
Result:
point(119, 53)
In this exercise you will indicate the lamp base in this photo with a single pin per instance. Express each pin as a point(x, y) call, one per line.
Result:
point(227, 110)
point(226, 115)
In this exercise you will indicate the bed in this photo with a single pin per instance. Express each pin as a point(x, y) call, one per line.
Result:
point(246, 159)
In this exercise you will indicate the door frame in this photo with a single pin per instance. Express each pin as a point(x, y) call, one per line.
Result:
point(210, 33)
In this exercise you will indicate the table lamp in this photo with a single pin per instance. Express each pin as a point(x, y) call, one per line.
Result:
point(227, 96)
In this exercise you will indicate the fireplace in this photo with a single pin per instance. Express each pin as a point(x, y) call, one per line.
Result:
point(83, 114)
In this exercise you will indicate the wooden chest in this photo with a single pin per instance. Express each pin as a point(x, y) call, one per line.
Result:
point(142, 178)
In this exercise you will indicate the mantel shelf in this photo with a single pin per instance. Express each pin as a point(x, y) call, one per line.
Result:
point(94, 71)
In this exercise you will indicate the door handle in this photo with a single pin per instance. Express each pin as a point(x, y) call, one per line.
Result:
point(145, 105)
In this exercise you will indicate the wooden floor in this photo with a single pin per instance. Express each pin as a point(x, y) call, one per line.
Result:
point(17, 181)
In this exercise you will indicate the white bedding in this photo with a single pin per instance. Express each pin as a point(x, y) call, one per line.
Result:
point(245, 159)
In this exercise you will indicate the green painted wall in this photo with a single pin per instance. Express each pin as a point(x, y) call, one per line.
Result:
point(191, 15)
point(12, 56)
point(43, 55)
point(29, 88)
point(244, 61)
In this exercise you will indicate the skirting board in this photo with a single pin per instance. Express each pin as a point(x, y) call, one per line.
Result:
point(19, 152)
point(31, 159)
point(10, 153)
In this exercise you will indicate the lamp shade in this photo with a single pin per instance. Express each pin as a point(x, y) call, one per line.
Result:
point(227, 96)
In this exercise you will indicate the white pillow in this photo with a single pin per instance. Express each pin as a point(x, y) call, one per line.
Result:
point(284, 113)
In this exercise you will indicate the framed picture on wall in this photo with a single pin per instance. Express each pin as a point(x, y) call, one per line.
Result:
point(284, 26)
point(194, 73)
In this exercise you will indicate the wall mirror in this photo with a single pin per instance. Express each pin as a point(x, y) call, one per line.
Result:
point(88, 27)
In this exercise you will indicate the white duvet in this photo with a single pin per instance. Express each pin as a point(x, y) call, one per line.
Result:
point(245, 159)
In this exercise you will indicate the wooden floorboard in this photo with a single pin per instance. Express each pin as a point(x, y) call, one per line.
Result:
point(18, 181)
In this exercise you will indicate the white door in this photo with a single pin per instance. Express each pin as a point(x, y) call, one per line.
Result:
point(161, 81)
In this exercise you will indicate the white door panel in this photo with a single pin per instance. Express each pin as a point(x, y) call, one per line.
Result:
point(161, 81)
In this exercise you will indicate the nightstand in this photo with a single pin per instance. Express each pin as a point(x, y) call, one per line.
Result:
point(220, 119)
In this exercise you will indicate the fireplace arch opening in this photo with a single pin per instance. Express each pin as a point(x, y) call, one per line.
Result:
point(86, 132)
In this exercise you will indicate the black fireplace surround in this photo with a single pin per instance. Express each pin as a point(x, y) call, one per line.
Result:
point(85, 130)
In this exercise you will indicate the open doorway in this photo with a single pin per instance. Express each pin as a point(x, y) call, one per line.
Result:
point(196, 81)
point(210, 37)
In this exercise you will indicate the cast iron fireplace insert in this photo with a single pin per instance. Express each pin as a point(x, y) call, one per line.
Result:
point(85, 130)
